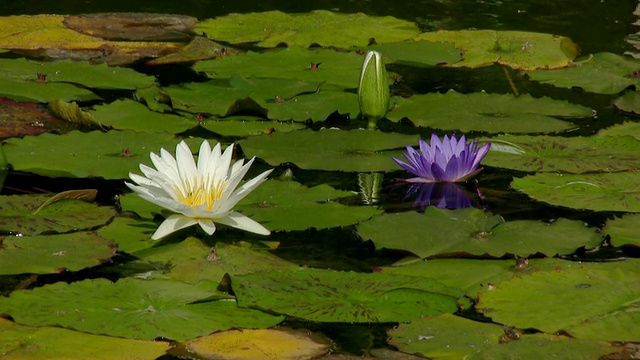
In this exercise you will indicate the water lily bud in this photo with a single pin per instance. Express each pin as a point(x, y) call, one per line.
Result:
point(373, 91)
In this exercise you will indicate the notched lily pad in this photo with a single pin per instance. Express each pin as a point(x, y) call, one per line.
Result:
point(331, 296)
point(472, 231)
point(491, 113)
point(624, 230)
point(321, 27)
point(515, 49)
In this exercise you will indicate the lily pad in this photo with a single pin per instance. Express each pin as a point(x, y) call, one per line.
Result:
point(587, 300)
point(132, 115)
point(23, 342)
point(288, 205)
point(538, 346)
point(192, 261)
point(491, 113)
point(629, 102)
point(248, 126)
point(331, 296)
point(314, 65)
point(321, 27)
point(198, 49)
point(627, 128)
point(418, 53)
point(624, 230)
point(131, 308)
point(515, 49)
point(355, 150)
point(20, 214)
point(110, 155)
point(25, 118)
point(602, 73)
point(559, 154)
point(131, 235)
point(281, 343)
point(472, 231)
point(599, 192)
point(53, 253)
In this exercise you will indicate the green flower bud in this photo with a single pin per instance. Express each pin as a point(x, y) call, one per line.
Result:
point(373, 91)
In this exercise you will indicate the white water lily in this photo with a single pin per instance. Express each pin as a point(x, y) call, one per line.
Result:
point(203, 194)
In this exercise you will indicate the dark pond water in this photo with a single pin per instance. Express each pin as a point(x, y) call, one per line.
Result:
point(596, 25)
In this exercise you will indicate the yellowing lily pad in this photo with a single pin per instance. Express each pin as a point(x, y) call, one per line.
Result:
point(325, 28)
point(281, 343)
point(515, 49)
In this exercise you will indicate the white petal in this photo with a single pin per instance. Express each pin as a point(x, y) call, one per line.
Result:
point(172, 224)
point(239, 221)
point(243, 191)
point(141, 180)
point(186, 165)
point(207, 225)
point(204, 155)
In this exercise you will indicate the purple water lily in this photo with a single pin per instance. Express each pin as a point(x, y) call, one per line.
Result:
point(449, 160)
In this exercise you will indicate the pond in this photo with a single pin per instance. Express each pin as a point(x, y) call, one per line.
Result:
point(334, 254)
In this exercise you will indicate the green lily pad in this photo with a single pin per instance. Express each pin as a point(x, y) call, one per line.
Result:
point(111, 155)
point(132, 115)
point(629, 102)
point(599, 192)
point(333, 67)
point(624, 230)
point(248, 126)
point(131, 235)
point(588, 300)
point(19, 214)
point(331, 296)
point(317, 106)
point(132, 308)
point(472, 231)
point(53, 253)
point(491, 113)
point(472, 276)
point(28, 89)
point(355, 150)
point(627, 128)
point(541, 346)
point(515, 49)
point(602, 73)
point(288, 205)
point(23, 342)
point(325, 28)
point(418, 53)
point(445, 336)
point(558, 154)
point(192, 261)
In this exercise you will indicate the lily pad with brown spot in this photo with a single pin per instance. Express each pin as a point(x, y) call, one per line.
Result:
point(18, 119)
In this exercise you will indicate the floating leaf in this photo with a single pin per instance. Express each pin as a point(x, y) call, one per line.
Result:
point(624, 230)
point(588, 300)
point(192, 261)
point(47, 36)
point(198, 49)
point(317, 106)
point(272, 28)
point(418, 53)
point(131, 235)
point(574, 155)
point(538, 346)
point(246, 125)
point(627, 128)
point(133, 26)
point(487, 112)
point(602, 73)
point(111, 155)
point(131, 115)
point(515, 49)
point(281, 343)
point(23, 214)
point(72, 113)
point(53, 253)
point(131, 308)
point(445, 336)
point(599, 192)
point(355, 150)
point(331, 296)
point(332, 67)
point(288, 205)
point(629, 102)
point(472, 231)
point(25, 118)
point(22, 342)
